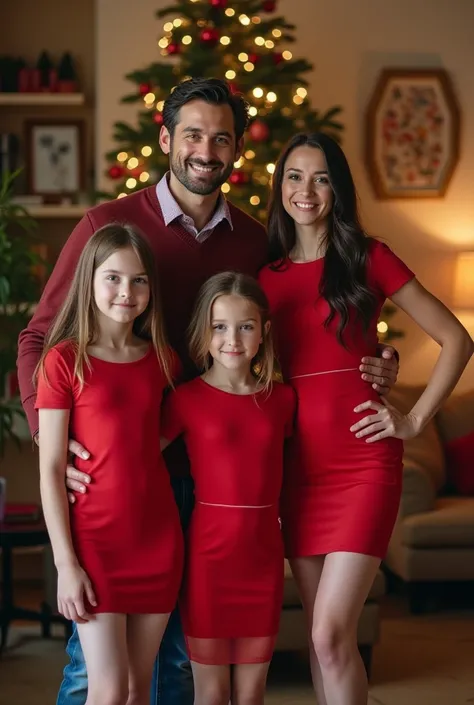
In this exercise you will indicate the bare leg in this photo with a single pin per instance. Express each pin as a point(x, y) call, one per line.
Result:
point(345, 583)
point(144, 634)
point(249, 681)
point(307, 573)
point(211, 684)
point(104, 644)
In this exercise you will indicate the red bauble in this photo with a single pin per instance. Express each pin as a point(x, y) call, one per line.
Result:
point(233, 87)
point(210, 37)
point(259, 131)
point(116, 172)
point(238, 178)
point(269, 6)
point(218, 3)
point(173, 48)
point(255, 58)
point(144, 88)
point(158, 118)
point(277, 58)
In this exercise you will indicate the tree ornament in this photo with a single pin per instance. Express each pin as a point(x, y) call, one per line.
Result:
point(255, 58)
point(234, 88)
point(238, 178)
point(277, 58)
point(158, 118)
point(259, 131)
point(269, 6)
point(116, 172)
point(173, 48)
point(210, 36)
point(144, 88)
point(221, 4)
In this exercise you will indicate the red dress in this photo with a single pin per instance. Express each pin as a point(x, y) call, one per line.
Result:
point(340, 493)
point(233, 579)
point(126, 530)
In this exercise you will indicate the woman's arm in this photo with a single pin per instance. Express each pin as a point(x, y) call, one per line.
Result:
point(54, 430)
point(456, 350)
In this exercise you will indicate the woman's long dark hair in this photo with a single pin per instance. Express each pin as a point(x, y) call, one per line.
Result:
point(344, 281)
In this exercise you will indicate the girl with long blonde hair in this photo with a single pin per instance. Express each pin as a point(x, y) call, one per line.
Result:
point(119, 550)
point(234, 419)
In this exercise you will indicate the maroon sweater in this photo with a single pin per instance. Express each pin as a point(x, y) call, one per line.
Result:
point(183, 266)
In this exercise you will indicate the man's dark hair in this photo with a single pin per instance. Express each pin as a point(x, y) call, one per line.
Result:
point(210, 90)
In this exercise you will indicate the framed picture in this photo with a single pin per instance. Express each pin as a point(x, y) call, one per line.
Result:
point(412, 133)
point(55, 157)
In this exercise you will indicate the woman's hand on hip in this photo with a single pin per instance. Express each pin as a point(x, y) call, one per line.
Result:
point(386, 422)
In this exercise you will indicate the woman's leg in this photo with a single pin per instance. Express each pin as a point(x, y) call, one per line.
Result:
point(211, 684)
point(307, 573)
point(343, 588)
point(104, 645)
point(144, 635)
point(248, 683)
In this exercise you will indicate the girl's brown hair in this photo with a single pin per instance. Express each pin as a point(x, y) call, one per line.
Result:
point(200, 329)
point(77, 320)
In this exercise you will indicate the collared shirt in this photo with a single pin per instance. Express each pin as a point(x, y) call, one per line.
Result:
point(172, 211)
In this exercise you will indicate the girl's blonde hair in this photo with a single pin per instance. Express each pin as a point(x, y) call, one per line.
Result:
point(77, 320)
point(200, 329)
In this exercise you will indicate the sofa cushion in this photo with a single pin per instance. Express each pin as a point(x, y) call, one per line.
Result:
point(456, 427)
point(425, 452)
point(451, 523)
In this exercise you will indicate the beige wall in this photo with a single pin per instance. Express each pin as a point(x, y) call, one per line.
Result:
point(349, 43)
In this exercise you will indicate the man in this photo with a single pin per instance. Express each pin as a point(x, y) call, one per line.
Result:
point(194, 233)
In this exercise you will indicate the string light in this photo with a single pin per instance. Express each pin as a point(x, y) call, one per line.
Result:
point(243, 19)
point(270, 168)
point(249, 154)
point(276, 33)
point(302, 92)
point(239, 163)
point(230, 74)
point(121, 195)
point(160, 105)
point(382, 327)
point(249, 66)
point(297, 100)
point(144, 176)
point(163, 43)
point(258, 92)
point(256, 19)
point(132, 163)
point(146, 151)
point(168, 27)
point(287, 55)
point(187, 39)
point(243, 57)
point(254, 200)
point(269, 44)
point(225, 40)
point(122, 157)
point(230, 12)
point(253, 111)
point(225, 188)
point(271, 97)
point(177, 22)
point(260, 41)
point(131, 183)
point(149, 98)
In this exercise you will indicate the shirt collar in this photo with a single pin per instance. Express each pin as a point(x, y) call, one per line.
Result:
point(172, 210)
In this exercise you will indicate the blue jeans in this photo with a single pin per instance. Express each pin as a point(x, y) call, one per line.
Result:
point(172, 678)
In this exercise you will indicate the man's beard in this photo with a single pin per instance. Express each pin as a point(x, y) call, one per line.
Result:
point(191, 181)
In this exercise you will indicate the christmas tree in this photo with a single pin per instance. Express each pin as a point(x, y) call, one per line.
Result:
point(386, 332)
point(246, 43)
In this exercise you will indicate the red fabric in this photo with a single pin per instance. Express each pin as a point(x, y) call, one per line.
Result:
point(460, 464)
point(126, 529)
point(183, 265)
point(341, 493)
point(233, 585)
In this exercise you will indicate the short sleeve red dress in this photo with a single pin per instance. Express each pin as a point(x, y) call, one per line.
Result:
point(340, 493)
point(233, 579)
point(126, 528)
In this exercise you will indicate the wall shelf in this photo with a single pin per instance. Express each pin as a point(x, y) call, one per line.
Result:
point(42, 99)
point(53, 211)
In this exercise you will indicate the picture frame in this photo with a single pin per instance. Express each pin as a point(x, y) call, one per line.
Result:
point(412, 138)
point(54, 158)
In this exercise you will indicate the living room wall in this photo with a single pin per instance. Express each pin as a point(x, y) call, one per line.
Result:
point(349, 43)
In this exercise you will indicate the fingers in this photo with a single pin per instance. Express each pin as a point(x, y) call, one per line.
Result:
point(70, 497)
point(76, 480)
point(366, 421)
point(378, 437)
point(379, 367)
point(388, 352)
point(80, 609)
point(374, 405)
point(76, 449)
point(381, 390)
point(90, 593)
point(373, 428)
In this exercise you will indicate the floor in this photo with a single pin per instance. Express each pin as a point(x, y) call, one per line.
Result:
point(426, 660)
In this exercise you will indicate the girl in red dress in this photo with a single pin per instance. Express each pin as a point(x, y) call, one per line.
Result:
point(118, 550)
point(326, 287)
point(234, 421)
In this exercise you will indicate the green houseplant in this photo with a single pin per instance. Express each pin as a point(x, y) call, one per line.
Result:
point(21, 268)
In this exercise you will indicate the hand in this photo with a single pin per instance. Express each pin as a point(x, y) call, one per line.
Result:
point(73, 584)
point(76, 480)
point(381, 372)
point(387, 421)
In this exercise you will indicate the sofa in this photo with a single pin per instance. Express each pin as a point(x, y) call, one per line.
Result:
point(293, 631)
point(433, 540)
